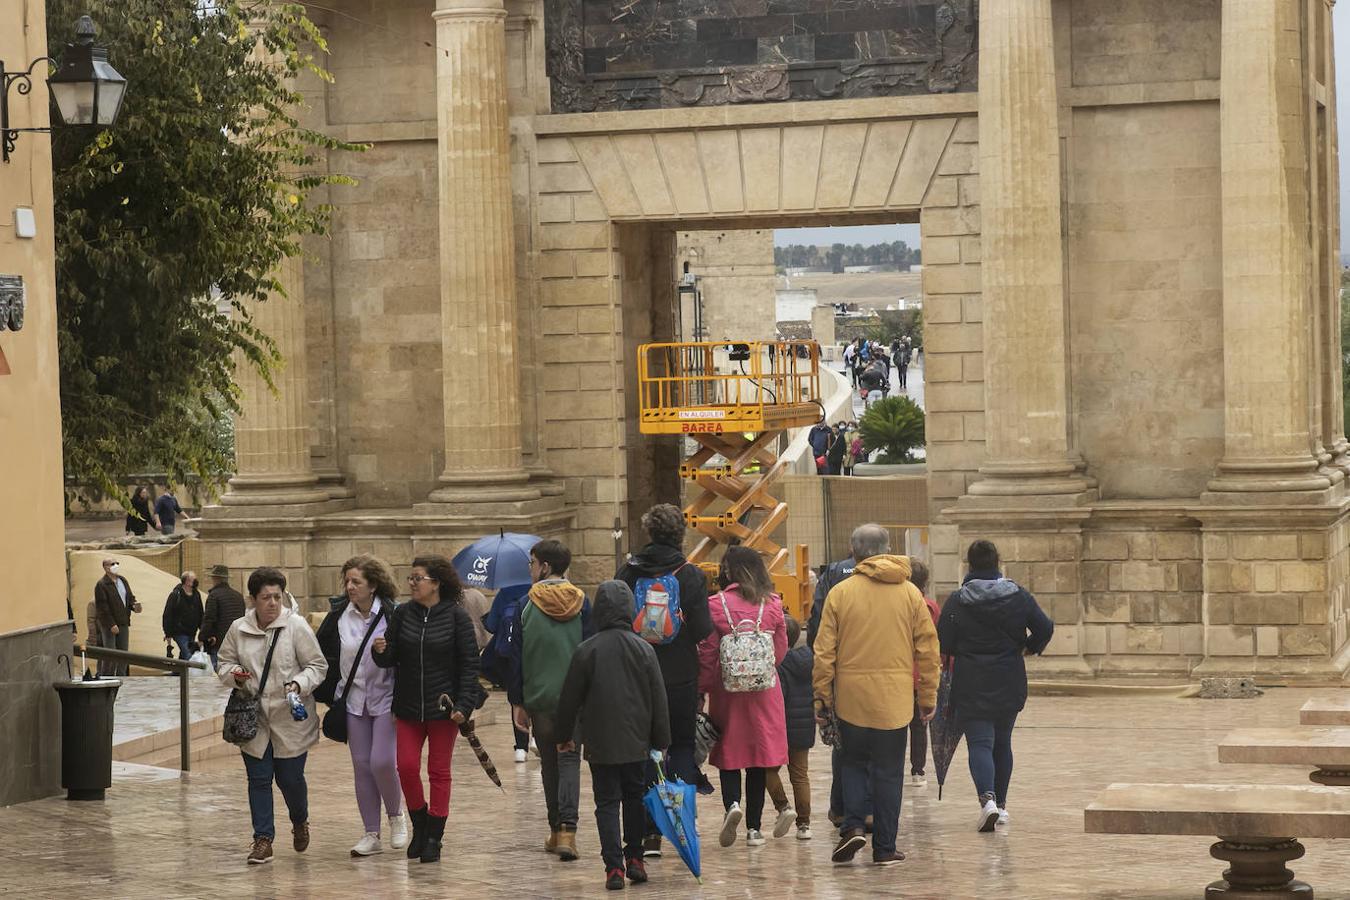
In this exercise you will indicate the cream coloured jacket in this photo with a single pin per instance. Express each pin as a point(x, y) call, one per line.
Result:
point(297, 658)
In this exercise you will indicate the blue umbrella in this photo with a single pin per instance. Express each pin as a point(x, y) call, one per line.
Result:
point(671, 804)
point(944, 732)
point(496, 561)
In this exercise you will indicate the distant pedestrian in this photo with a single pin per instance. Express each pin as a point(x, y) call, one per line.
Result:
point(794, 679)
point(366, 693)
point(750, 720)
point(918, 728)
point(988, 626)
point(167, 511)
point(223, 605)
point(271, 642)
point(501, 661)
point(875, 629)
point(553, 623)
point(114, 603)
point(182, 617)
point(430, 644)
point(615, 693)
point(834, 459)
point(141, 517)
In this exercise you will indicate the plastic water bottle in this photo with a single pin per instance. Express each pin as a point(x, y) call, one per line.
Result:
point(298, 711)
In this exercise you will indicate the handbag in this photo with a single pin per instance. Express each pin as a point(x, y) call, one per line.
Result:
point(242, 710)
point(334, 724)
point(706, 735)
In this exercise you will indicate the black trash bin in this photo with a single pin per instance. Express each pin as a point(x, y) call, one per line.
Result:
point(86, 736)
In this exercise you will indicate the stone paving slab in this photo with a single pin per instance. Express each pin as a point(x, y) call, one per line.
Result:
point(161, 835)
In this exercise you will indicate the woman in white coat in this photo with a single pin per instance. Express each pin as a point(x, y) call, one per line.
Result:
point(279, 750)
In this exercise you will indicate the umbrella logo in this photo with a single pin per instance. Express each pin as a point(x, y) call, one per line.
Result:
point(480, 564)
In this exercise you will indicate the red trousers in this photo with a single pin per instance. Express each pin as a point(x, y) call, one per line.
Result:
point(411, 735)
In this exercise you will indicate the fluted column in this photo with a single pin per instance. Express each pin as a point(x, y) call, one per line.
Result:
point(271, 436)
point(1022, 273)
point(478, 279)
point(1268, 442)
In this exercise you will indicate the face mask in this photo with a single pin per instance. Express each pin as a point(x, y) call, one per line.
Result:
point(114, 568)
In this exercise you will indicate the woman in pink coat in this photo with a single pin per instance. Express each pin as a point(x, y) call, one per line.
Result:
point(752, 724)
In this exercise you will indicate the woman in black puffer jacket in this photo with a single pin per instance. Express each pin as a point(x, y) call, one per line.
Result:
point(431, 645)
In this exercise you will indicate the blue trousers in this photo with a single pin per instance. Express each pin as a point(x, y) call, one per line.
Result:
point(989, 749)
point(872, 767)
point(289, 775)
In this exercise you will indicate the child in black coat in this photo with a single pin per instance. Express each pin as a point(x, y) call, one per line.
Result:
point(794, 677)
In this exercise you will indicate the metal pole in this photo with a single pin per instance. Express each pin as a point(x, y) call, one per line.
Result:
point(184, 724)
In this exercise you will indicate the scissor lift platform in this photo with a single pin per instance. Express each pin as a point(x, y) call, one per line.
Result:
point(735, 400)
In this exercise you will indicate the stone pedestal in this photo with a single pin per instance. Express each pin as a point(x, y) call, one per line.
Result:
point(1022, 273)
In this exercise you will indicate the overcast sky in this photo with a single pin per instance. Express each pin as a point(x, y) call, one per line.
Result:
point(876, 234)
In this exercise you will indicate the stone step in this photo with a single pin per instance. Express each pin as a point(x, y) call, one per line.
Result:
point(1325, 711)
point(1326, 749)
point(1258, 826)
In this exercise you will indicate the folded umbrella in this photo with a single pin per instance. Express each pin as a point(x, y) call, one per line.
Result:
point(672, 806)
point(944, 732)
point(496, 560)
point(471, 735)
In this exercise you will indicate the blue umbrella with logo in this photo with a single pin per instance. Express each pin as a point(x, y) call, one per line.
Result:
point(496, 561)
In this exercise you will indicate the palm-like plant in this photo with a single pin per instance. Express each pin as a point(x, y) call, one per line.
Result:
point(893, 426)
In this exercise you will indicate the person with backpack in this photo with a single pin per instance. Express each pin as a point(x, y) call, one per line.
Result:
point(671, 613)
point(501, 656)
point(553, 623)
point(794, 678)
point(614, 690)
point(738, 672)
point(918, 728)
point(874, 631)
point(987, 627)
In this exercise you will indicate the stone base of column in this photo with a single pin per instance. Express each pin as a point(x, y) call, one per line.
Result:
point(335, 483)
point(1037, 482)
point(1340, 455)
point(545, 480)
point(1270, 480)
point(282, 489)
point(493, 493)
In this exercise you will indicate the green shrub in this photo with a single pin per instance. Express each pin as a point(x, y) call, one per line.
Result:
point(893, 426)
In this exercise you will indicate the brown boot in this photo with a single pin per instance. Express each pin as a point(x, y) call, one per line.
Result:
point(261, 852)
point(551, 845)
point(300, 837)
point(567, 843)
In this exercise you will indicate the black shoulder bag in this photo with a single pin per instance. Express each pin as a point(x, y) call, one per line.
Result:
point(335, 720)
point(243, 710)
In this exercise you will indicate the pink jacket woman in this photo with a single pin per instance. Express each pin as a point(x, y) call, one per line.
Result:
point(753, 725)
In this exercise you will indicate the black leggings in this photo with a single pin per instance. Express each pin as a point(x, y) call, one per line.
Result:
point(754, 793)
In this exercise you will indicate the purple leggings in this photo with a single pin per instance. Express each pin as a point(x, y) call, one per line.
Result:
point(372, 744)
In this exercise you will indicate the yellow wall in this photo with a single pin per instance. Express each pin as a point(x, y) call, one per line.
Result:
point(32, 529)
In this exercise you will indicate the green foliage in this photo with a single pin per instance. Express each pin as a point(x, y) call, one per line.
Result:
point(837, 256)
point(892, 324)
point(202, 186)
point(894, 426)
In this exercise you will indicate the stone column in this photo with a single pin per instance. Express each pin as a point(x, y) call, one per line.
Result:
point(478, 278)
point(1028, 448)
point(1268, 442)
point(271, 436)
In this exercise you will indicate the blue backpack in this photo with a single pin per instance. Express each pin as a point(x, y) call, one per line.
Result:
point(500, 659)
point(657, 616)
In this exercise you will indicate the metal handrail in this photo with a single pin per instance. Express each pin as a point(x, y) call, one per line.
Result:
point(177, 666)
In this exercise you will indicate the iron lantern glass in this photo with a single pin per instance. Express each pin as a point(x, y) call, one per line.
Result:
point(87, 89)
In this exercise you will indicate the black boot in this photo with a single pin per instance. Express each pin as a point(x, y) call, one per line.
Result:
point(419, 835)
point(431, 850)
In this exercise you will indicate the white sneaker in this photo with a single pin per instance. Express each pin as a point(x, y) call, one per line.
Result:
point(988, 816)
point(520, 756)
point(731, 823)
point(534, 748)
point(784, 822)
point(803, 832)
point(1002, 816)
point(398, 831)
point(369, 845)
point(918, 781)
point(753, 838)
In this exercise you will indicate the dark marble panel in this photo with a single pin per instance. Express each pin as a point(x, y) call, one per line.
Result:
point(30, 713)
point(643, 54)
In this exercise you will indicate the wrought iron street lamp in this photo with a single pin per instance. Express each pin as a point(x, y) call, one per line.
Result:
point(86, 88)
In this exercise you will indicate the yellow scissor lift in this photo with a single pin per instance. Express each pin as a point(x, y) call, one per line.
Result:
point(735, 400)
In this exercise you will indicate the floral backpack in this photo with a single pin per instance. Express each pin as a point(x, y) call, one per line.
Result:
point(746, 654)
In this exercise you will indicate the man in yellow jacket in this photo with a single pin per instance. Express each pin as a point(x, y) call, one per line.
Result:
point(875, 633)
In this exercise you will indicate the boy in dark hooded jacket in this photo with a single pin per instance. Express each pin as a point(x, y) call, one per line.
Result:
point(614, 688)
point(794, 677)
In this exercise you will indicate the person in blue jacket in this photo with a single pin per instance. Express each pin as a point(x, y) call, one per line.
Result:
point(501, 656)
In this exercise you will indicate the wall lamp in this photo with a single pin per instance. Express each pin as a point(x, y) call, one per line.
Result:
point(87, 90)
